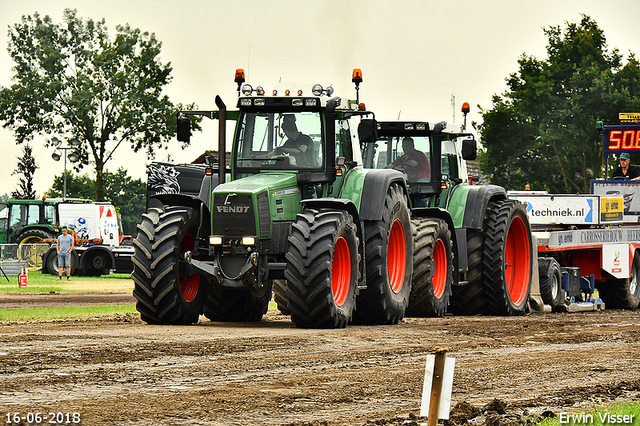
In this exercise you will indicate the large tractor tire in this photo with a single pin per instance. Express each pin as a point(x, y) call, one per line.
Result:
point(34, 236)
point(432, 268)
point(551, 283)
point(322, 269)
point(623, 294)
point(469, 299)
point(507, 258)
point(166, 291)
point(237, 305)
point(389, 263)
point(280, 296)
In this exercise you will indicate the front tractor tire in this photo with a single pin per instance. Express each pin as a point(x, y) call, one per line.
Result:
point(389, 263)
point(432, 268)
point(166, 292)
point(507, 258)
point(322, 269)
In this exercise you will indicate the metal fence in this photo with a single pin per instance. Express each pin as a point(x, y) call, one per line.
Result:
point(24, 254)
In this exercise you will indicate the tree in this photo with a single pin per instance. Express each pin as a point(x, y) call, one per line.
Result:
point(27, 167)
point(541, 131)
point(73, 81)
point(128, 195)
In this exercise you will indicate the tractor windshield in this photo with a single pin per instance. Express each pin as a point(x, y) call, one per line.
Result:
point(280, 140)
point(408, 154)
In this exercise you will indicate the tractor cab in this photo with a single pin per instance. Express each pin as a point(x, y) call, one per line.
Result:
point(431, 157)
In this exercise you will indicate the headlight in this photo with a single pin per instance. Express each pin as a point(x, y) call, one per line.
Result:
point(215, 240)
point(247, 89)
point(310, 102)
point(258, 102)
point(316, 89)
point(248, 241)
point(245, 102)
point(421, 126)
point(296, 102)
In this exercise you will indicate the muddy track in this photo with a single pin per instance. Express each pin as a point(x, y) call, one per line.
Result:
point(119, 370)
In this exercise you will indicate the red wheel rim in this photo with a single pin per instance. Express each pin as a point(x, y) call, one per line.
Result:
point(439, 281)
point(396, 256)
point(517, 261)
point(341, 271)
point(189, 286)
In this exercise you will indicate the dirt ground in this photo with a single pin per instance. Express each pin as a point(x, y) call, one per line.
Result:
point(120, 371)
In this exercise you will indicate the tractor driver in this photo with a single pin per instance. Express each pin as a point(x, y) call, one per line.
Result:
point(298, 144)
point(413, 162)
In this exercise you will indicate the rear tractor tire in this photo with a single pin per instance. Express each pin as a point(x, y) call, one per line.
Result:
point(35, 236)
point(322, 269)
point(432, 268)
point(226, 305)
point(389, 263)
point(167, 291)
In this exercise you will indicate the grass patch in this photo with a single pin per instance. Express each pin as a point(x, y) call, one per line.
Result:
point(31, 314)
point(599, 416)
point(45, 283)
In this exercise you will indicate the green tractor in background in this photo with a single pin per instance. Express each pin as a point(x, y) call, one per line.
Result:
point(472, 246)
point(330, 238)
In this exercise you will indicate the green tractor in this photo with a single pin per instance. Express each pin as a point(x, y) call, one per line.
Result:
point(28, 221)
point(300, 217)
point(472, 245)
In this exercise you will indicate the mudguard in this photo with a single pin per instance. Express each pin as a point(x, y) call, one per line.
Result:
point(374, 190)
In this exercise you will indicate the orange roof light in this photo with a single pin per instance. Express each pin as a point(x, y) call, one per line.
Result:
point(362, 107)
point(239, 76)
point(465, 107)
point(356, 76)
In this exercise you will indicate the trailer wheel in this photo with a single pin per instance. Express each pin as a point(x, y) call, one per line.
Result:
point(99, 263)
point(432, 268)
point(167, 290)
point(469, 299)
point(280, 296)
point(52, 262)
point(507, 258)
point(623, 294)
point(322, 269)
point(551, 283)
point(237, 305)
point(389, 263)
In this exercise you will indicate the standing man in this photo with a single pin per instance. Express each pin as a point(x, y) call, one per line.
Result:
point(626, 170)
point(64, 247)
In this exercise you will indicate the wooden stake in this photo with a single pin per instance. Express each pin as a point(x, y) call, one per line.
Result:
point(436, 385)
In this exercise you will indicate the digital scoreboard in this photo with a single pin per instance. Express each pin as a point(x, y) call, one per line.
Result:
point(622, 138)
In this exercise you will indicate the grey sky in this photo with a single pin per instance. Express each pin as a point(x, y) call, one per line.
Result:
point(414, 55)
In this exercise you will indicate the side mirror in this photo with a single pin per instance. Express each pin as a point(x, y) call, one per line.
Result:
point(184, 129)
point(368, 130)
point(469, 149)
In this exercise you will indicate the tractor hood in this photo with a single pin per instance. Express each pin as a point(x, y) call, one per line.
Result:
point(266, 181)
point(251, 205)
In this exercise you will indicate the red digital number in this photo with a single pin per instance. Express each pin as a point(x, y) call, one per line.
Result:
point(625, 140)
point(614, 139)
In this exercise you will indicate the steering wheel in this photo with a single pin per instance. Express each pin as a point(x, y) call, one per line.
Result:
point(408, 170)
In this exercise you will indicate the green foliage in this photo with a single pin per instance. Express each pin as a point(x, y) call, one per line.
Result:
point(128, 195)
point(74, 81)
point(27, 167)
point(541, 131)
